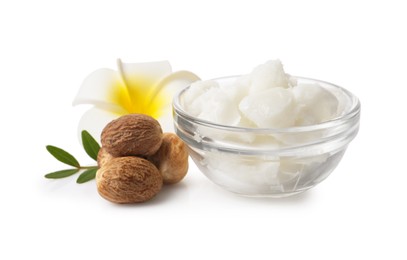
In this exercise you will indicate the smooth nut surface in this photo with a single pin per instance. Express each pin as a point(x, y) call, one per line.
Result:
point(171, 159)
point(128, 180)
point(132, 134)
point(103, 157)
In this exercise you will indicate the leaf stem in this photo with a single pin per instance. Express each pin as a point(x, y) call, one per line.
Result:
point(87, 167)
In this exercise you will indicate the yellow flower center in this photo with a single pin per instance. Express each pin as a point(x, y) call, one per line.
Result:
point(138, 98)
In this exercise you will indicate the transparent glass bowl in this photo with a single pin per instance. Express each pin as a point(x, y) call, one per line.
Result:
point(264, 161)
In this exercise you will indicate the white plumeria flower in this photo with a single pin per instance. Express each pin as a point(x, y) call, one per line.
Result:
point(146, 88)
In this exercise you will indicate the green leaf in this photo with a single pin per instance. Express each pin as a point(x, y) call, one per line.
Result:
point(63, 156)
point(61, 174)
point(87, 175)
point(91, 146)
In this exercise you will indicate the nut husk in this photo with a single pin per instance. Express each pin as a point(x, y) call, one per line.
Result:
point(132, 135)
point(128, 180)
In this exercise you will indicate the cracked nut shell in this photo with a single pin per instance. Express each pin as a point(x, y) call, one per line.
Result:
point(132, 135)
point(128, 180)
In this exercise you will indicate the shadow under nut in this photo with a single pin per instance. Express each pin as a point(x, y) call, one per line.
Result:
point(128, 180)
point(133, 134)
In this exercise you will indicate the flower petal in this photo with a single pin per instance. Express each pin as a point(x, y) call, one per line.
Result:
point(94, 120)
point(174, 82)
point(104, 89)
point(149, 70)
point(136, 88)
point(168, 87)
point(167, 123)
point(140, 80)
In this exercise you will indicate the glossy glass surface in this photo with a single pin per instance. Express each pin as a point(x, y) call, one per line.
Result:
point(266, 161)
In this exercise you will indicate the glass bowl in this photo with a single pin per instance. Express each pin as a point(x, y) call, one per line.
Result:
point(269, 162)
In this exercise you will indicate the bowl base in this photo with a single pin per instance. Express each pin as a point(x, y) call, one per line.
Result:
point(266, 195)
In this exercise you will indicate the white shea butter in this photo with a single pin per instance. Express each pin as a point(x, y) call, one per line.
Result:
point(265, 98)
point(272, 107)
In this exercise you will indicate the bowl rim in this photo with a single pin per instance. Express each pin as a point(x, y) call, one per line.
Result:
point(352, 113)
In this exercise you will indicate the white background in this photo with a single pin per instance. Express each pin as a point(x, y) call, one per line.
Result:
point(48, 47)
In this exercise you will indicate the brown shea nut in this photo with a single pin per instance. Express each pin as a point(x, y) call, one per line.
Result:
point(128, 180)
point(132, 134)
point(103, 157)
point(171, 159)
